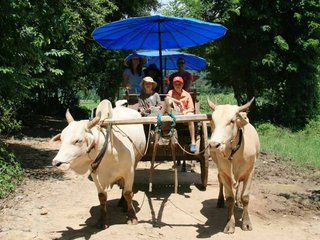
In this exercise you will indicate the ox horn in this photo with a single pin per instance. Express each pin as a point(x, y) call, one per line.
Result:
point(69, 116)
point(94, 121)
point(246, 106)
point(211, 104)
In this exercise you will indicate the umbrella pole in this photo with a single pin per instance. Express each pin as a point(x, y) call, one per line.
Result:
point(160, 55)
point(165, 69)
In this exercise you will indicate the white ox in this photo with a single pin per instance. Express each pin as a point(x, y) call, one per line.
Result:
point(82, 141)
point(234, 147)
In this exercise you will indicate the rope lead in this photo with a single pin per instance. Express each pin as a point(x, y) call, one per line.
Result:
point(172, 126)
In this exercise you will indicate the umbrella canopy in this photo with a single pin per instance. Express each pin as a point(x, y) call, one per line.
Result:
point(169, 59)
point(157, 32)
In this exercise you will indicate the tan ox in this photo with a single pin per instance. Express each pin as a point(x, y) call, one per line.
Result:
point(234, 146)
point(82, 141)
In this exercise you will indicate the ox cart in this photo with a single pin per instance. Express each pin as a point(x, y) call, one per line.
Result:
point(165, 144)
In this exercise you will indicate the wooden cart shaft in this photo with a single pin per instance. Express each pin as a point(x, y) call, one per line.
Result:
point(153, 120)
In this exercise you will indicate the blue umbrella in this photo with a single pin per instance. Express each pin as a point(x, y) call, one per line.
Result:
point(157, 33)
point(169, 59)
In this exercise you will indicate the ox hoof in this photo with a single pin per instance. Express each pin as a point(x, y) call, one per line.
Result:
point(133, 221)
point(246, 226)
point(229, 229)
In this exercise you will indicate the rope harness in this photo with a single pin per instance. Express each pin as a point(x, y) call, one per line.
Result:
point(171, 133)
point(236, 148)
point(172, 126)
point(103, 150)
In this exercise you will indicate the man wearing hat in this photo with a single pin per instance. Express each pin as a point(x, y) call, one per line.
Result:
point(187, 77)
point(133, 74)
point(149, 101)
point(184, 101)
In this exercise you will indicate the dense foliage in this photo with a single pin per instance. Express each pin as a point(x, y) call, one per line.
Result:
point(271, 51)
point(11, 172)
point(47, 56)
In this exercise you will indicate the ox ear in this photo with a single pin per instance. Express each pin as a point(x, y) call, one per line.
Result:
point(56, 138)
point(69, 116)
point(211, 104)
point(105, 107)
point(242, 119)
point(245, 107)
point(94, 121)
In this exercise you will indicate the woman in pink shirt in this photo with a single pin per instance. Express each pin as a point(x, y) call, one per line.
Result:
point(184, 100)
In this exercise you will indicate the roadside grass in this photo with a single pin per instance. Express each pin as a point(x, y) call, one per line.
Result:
point(302, 147)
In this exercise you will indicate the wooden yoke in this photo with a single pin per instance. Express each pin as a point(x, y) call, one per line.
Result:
point(153, 120)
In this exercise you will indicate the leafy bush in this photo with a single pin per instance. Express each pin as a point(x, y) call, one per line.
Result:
point(11, 173)
point(266, 128)
point(217, 96)
point(8, 123)
point(313, 127)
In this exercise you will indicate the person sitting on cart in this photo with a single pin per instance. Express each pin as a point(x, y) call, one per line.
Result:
point(184, 101)
point(187, 77)
point(133, 74)
point(149, 101)
point(154, 72)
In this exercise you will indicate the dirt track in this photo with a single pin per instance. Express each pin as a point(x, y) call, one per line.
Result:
point(50, 204)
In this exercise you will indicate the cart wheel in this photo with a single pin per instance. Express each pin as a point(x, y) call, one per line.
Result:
point(204, 158)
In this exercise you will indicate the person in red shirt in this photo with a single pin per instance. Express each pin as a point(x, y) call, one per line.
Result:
point(186, 76)
point(184, 101)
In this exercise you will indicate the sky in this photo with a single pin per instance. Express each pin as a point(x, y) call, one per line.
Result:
point(162, 2)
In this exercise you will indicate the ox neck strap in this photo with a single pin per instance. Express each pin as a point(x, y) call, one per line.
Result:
point(172, 126)
point(99, 157)
point(236, 148)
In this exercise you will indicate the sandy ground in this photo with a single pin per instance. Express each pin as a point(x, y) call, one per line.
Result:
point(50, 204)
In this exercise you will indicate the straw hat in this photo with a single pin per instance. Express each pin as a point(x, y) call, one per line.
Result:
point(143, 60)
point(150, 80)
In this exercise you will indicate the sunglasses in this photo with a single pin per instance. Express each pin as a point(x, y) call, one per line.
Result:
point(180, 63)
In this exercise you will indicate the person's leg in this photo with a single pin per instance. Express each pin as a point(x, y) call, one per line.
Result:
point(193, 146)
point(191, 132)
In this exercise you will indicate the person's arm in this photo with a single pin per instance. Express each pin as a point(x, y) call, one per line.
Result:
point(126, 79)
point(176, 101)
point(190, 107)
point(158, 100)
point(144, 107)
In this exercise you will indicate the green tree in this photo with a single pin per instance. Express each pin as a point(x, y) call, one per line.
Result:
point(48, 54)
point(271, 51)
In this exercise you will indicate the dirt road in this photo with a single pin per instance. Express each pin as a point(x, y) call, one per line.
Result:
point(50, 204)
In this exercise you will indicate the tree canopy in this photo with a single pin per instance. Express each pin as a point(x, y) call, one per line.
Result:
point(271, 51)
point(47, 52)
